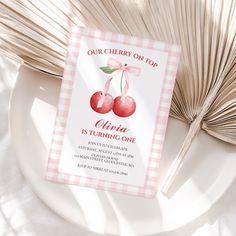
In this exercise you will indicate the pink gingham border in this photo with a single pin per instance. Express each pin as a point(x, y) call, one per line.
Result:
point(151, 181)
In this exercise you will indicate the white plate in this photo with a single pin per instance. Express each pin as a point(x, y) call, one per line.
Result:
point(208, 170)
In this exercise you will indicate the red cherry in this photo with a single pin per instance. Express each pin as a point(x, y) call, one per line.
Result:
point(107, 103)
point(126, 108)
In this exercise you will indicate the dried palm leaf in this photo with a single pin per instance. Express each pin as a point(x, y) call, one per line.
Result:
point(205, 90)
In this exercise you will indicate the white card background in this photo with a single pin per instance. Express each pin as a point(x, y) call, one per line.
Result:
point(145, 89)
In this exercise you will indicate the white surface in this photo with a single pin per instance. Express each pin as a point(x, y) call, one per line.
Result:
point(23, 214)
point(32, 118)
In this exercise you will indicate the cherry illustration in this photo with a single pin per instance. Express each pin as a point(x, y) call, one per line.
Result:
point(124, 108)
point(107, 104)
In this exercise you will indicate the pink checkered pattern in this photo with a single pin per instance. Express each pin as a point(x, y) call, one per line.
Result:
point(151, 181)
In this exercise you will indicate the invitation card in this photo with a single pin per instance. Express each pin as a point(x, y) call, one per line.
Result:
point(112, 113)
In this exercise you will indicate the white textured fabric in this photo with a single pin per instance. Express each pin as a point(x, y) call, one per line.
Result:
point(23, 214)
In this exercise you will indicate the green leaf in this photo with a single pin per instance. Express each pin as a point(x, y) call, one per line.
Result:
point(107, 69)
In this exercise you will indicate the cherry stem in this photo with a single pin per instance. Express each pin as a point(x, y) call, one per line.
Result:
point(121, 81)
